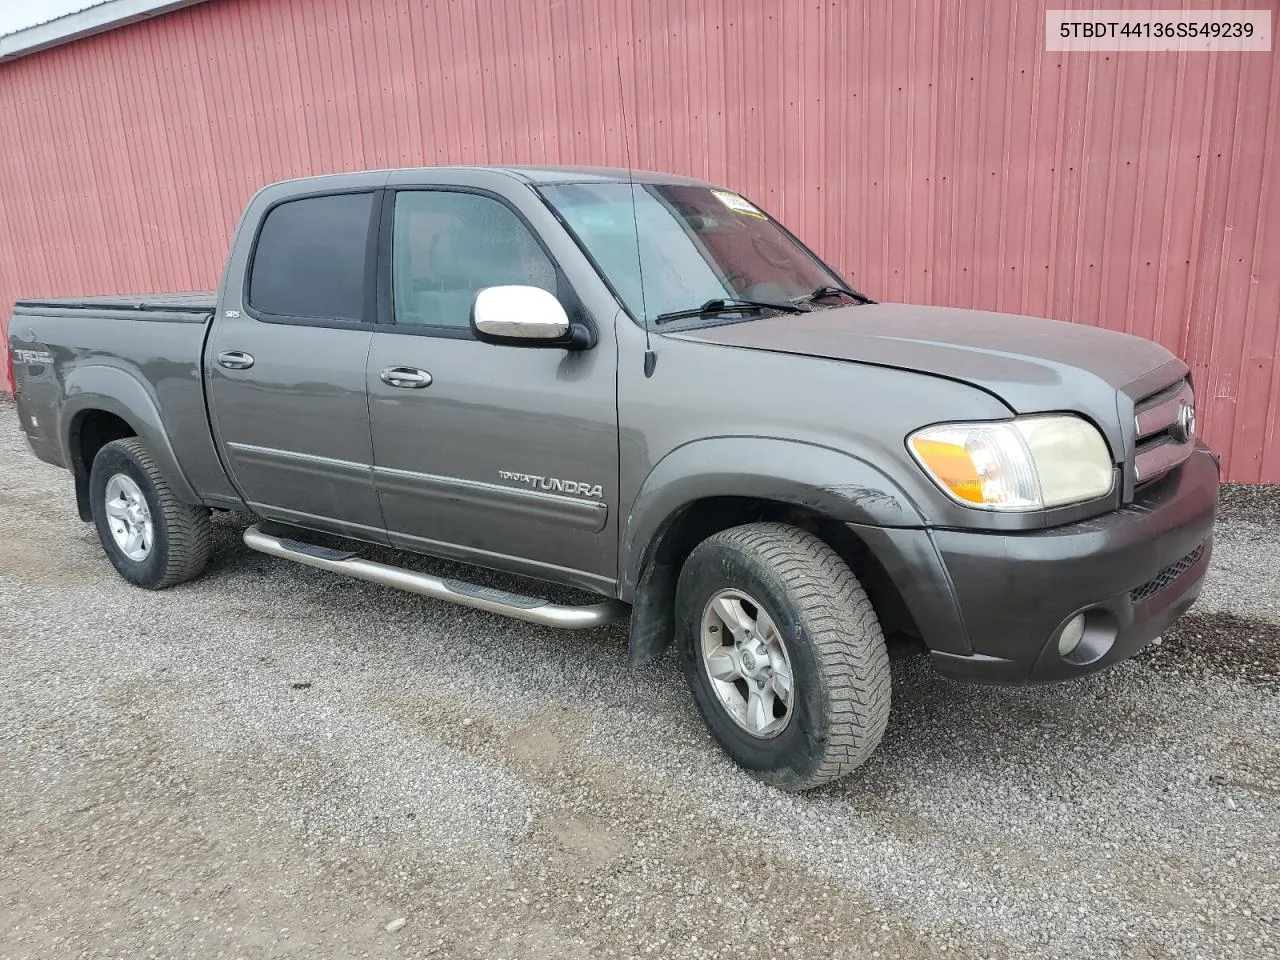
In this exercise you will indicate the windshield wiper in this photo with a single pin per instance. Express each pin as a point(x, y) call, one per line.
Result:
point(726, 305)
point(825, 291)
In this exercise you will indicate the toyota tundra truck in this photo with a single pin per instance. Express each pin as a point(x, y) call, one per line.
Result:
point(644, 387)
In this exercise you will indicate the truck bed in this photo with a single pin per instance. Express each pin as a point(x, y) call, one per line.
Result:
point(192, 307)
point(145, 347)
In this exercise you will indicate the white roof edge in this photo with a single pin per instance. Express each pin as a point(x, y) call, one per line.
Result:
point(84, 23)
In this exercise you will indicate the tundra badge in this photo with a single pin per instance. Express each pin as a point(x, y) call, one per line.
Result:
point(536, 482)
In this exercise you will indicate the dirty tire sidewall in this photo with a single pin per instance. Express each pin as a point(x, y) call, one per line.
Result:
point(182, 536)
point(841, 675)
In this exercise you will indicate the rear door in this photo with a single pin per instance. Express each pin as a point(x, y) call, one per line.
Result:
point(500, 455)
point(286, 363)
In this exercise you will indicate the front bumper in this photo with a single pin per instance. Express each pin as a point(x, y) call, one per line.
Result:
point(990, 606)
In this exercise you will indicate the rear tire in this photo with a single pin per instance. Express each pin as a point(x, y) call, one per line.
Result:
point(779, 600)
point(152, 539)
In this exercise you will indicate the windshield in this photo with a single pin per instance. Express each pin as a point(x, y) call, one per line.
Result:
point(696, 244)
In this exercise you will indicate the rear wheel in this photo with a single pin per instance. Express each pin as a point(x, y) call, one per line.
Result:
point(784, 654)
point(151, 538)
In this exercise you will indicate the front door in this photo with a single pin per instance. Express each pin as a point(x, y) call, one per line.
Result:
point(503, 456)
point(286, 367)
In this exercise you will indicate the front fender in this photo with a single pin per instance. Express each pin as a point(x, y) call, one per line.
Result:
point(116, 391)
point(836, 484)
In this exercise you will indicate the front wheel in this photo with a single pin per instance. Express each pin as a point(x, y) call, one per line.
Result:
point(784, 654)
point(151, 538)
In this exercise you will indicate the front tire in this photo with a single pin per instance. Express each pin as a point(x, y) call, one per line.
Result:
point(783, 653)
point(152, 539)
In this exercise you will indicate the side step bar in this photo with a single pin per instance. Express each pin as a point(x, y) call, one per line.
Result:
point(350, 564)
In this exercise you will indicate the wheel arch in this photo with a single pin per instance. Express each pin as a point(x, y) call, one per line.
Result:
point(105, 404)
point(713, 485)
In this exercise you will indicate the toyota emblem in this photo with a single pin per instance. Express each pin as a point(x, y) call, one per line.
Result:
point(1184, 428)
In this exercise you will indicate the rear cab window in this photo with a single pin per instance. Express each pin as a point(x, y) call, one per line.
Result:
point(311, 260)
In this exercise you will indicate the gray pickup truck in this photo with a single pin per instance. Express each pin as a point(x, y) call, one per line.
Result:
point(644, 387)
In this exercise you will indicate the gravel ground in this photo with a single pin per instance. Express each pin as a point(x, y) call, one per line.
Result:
point(273, 761)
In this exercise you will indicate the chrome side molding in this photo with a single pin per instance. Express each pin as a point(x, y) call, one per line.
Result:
point(532, 609)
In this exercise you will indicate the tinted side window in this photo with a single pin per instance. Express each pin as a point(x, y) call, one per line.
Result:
point(448, 246)
point(310, 258)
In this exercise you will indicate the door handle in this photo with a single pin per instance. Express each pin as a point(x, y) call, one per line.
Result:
point(409, 377)
point(235, 359)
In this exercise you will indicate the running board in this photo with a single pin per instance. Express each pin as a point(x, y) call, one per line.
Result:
point(350, 564)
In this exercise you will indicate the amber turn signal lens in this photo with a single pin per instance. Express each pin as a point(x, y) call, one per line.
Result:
point(951, 465)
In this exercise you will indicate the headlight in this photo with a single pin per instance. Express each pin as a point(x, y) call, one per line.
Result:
point(1025, 464)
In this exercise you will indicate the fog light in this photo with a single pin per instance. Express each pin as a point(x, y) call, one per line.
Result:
point(1070, 636)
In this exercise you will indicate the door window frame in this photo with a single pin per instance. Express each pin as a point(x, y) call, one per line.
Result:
point(385, 314)
point(368, 298)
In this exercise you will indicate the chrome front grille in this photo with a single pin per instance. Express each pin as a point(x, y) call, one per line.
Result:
point(1165, 431)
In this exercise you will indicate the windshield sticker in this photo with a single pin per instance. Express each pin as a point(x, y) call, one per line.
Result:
point(738, 204)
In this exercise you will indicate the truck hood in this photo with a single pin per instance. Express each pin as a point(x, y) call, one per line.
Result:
point(1020, 359)
point(1031, 364)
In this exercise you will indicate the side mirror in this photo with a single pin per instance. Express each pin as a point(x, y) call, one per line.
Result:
point(525, 317)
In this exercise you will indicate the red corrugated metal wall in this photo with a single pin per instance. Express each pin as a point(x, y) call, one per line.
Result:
point(932, 150)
